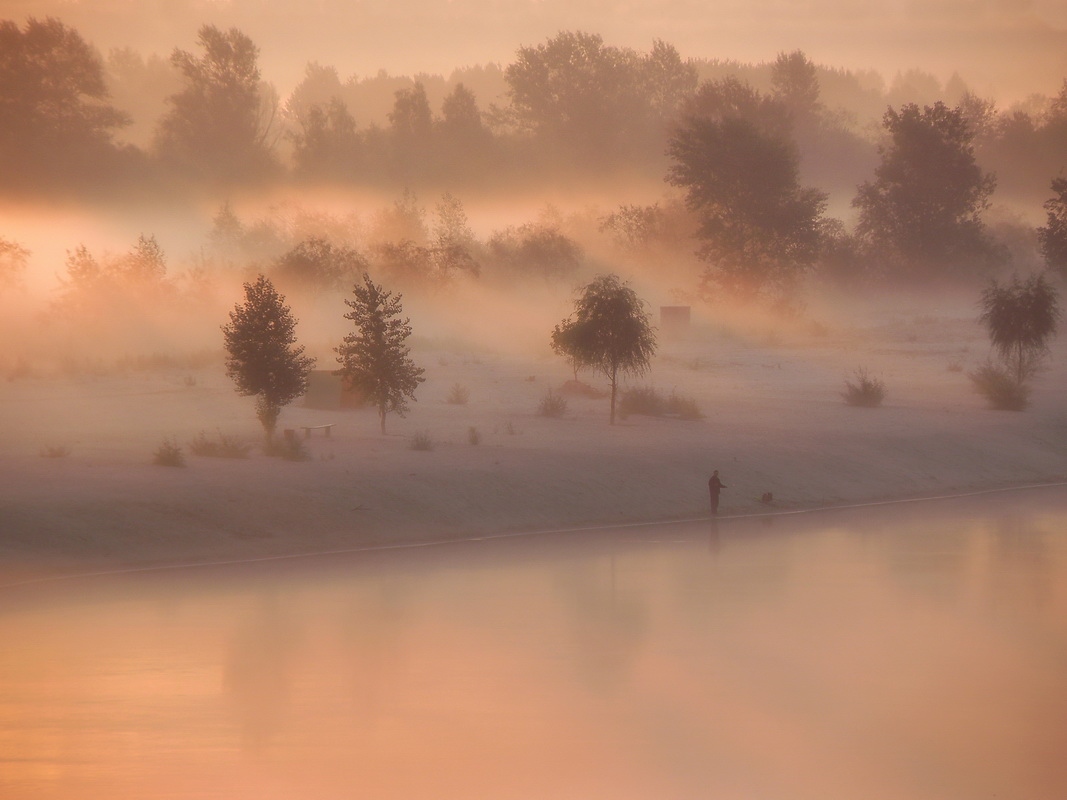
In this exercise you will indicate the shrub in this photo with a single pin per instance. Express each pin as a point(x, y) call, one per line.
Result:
point(866, 392)
point(683, 407)
point(289, 448)
point(510, 429)
point(422, 441)
point(458, 395)
point(642, 400)
point(222, 447)
point(582, 389)
point(552, 405)
point(473, 435)
point(997, 385)
point(62, 451)
point(169, 454)
point(647, 401)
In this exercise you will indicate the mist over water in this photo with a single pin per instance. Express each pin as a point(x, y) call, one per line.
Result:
point(913, 651)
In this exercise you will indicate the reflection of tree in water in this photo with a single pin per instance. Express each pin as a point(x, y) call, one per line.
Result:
point(257, 676)
point(373, 627)
point(1021, 569)
point(609, 621)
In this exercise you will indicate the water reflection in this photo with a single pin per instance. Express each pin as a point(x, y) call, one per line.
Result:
point(916, 652)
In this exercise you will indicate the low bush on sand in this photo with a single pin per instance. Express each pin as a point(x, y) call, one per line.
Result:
point(169, 454)
point(422, 441)
point(997, 385)
point(647, 401)
point(221, 446)
point(552, 405)
point(288, 448)
point(864, 391)
point(458, 395)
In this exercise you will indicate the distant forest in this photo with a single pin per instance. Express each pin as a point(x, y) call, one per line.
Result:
point(572, 108)
point(757, 153)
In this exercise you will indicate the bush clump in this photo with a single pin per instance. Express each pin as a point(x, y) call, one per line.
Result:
point(289, 448)
point(169, 454)
point(58, 451)
point(645, 400)
point(222, 446)
point(999, 386)
point(458, 395)
point(552, 405)
point(474, 436)
point(422, 441)
point(865, 391)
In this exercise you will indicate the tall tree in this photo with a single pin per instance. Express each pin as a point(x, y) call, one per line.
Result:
point(375, 358)
point(411, 128)
point(795, 83)
point(1052, 238)
point(55, 121)
point(217, 125)
point(760, 230)
point(328, 145)
point(262, 356)
point(577, 95)
point(922, 212)
point(609, 331)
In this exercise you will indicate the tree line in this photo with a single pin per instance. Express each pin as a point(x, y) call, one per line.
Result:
point(572, 105)
point(740, 155)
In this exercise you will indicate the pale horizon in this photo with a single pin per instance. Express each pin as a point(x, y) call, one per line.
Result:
point(1006, 49)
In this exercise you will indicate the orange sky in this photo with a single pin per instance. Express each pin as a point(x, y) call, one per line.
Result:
point(1002, 48)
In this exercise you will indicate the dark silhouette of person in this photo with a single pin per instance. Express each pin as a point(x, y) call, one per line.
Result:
point(714, 486)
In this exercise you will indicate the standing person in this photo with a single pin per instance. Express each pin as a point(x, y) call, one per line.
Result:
point(714, 485)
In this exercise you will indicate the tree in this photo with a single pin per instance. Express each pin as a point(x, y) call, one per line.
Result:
point(760, 230)
point(328, 144)
point(316, 264)
point(216, 124)
point(922, 213)
point(795, 83)
point(586, 99)
point(262, 356)
point(610, 331)
point(1021, 317)
point(1052, 238)
point(411, 128)
point(13, 259)
point(453, 239)
point(55, 120)
point(375, 358)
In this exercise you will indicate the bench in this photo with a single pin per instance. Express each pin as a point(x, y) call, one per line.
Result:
point(309, 428)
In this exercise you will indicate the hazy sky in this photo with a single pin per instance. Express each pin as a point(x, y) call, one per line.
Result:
point(1004, 47)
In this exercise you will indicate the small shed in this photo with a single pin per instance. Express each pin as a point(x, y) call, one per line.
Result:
point(327, 390)
point(674, 320)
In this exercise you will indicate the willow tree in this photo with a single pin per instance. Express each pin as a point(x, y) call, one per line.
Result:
point(610, 331)
point(1021, 317)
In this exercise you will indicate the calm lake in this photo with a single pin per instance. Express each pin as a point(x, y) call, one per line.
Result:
point(907, 651)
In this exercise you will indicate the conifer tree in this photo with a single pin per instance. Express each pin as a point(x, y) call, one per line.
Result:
point(262, 356)
point(375, 358)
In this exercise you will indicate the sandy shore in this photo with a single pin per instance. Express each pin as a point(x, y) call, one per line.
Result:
point(774, 422)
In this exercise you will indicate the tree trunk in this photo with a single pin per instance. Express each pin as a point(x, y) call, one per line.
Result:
point(381, 417)
point(614, 388)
